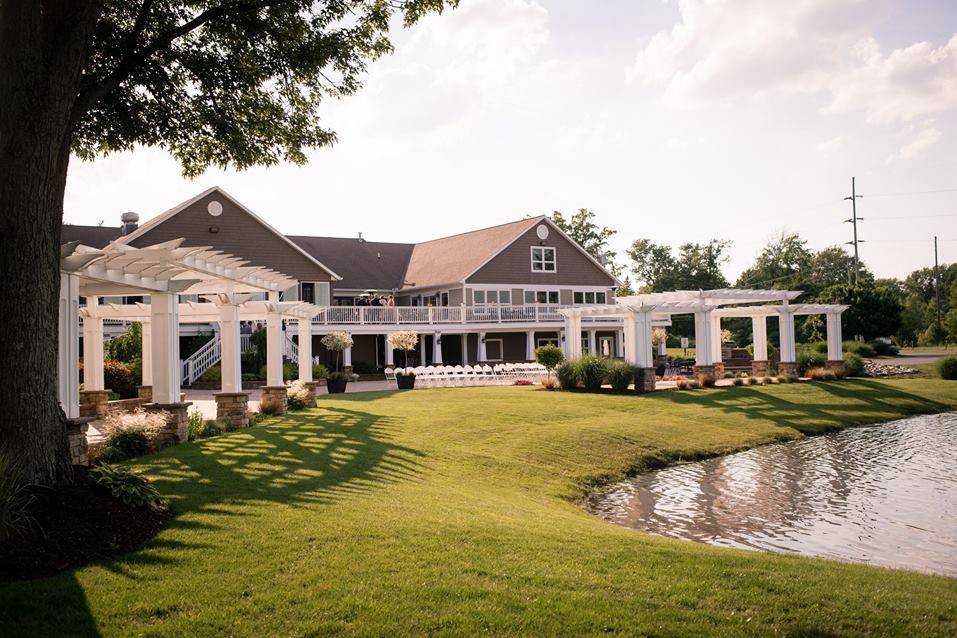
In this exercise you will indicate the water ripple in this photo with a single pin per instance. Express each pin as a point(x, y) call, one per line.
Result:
point(884, 495)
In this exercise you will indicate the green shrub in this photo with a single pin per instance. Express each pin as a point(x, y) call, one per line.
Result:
point(859, 348)
point(853, 364)
point(200, 428)
point(213, 375)
point(290, 371)
point(14, 499)
point(127, 346)
point(129, 443)
point(361, 367)
point(109, 455)
point(549, 356)
point(118, 377)
point(619, 376)
point(884, 349)
point(705, 381)
point(947, 368)
point(568, 375)
point(807, 359)
point(738, 381)
point(818, 346)
point(319, 371)
point(130, 487)
point(592, 371)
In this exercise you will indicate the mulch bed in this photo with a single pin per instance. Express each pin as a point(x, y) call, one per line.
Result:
point(72, 526)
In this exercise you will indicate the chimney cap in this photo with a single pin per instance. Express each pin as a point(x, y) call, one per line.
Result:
point(129, 217)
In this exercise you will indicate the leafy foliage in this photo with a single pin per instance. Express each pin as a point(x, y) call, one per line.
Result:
point(14, 499)
point(127, 485)
point(947, 368)
point(201, 428)
point(581, 227)
point(128, 346)
point(808, 358)
point(118, 377)
point(126, 444)
point(619, 375)
point(319, 371)
point(592, 371)
point(695, 265)
point(549, 356)
point(853, 364)
point(568, 373)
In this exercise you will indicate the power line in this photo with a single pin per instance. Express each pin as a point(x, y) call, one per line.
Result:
point(901, 194)
point(913, 216)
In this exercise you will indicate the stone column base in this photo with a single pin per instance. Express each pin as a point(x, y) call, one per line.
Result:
point(76, 435)
point(644, 380)
point(232, 408)
point(718, 369)
point(273, 400)
point(94, 403)
point(177, 421)
point(787, 368)
point(705, 370)
point(311, 388)
point(145, 392)
point(837, 366)
point(760, 368)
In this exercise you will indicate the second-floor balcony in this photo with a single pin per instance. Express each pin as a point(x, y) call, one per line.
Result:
point(372, 316)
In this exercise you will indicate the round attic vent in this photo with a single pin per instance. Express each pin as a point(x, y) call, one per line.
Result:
point(215, 208)
point(542, 231)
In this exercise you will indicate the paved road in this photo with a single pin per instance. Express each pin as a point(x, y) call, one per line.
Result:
point(913, 359)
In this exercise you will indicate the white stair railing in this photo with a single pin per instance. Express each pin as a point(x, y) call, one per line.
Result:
point(209, 355)
point(289, 349)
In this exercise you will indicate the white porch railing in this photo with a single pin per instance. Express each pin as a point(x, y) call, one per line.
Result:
point(289, 348)
point(405, 315)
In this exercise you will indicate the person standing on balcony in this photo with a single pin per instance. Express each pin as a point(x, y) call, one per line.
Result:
point(391, 301)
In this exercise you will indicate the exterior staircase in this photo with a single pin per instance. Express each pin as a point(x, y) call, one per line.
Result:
point(194, 366)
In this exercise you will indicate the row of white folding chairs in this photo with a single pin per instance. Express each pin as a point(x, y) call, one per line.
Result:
point(444, 376)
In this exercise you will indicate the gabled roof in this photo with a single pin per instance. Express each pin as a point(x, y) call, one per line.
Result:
point(159, 219)
point(361, 264)
point(94, 236)
point(451, 260)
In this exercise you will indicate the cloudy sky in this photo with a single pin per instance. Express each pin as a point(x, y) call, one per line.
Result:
point(677, 121)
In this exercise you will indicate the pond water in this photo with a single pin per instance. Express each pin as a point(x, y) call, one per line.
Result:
point(883, 494)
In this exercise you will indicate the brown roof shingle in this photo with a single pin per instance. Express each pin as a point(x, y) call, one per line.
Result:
point(92, 236)
point(452, 259)
point(361, 264)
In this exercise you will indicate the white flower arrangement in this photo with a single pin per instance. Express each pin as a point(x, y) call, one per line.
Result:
point(299, 391)
point(337, 342)
point(658, 336)
point(404, 340)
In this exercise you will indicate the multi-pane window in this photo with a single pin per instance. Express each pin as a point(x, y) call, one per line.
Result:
point(500, 297)
point(542, 296)
point(591, 297)
point(543, 259)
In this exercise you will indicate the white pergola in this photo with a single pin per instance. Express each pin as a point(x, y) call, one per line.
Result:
point(708, 308)
point(163, 272)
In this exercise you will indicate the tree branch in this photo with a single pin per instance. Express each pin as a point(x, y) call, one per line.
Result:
point(132, 60)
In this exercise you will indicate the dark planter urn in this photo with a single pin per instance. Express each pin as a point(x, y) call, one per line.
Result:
point(336, 386)
point(405, 381)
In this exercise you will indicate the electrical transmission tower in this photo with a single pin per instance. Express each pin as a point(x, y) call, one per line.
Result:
point(853, 220)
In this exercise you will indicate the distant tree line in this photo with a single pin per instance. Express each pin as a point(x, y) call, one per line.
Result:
point(901, 309)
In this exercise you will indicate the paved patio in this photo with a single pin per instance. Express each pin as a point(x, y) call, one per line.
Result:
point(204, 401)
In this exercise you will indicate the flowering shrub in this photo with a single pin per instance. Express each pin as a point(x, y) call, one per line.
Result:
point(151, 424)
point(297, 396)
point(118, 377)
point(658, 336)
point(404, 340)
point(522, 382)
point(337, 342)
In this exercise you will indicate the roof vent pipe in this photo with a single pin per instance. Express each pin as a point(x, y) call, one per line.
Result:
point(130, 222)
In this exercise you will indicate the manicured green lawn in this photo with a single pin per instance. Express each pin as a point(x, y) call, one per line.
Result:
point(454, 511)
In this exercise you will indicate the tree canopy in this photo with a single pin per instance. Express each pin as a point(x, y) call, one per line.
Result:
point(585, 231)
point(695, 266)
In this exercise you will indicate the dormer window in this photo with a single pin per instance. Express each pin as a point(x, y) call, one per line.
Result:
point(543, 259)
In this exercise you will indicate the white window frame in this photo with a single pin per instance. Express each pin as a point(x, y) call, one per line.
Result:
point(547, 341)
point(501, 349)
point(598, 297)
point(535, 293)
point(553, 261)
point(498, 292)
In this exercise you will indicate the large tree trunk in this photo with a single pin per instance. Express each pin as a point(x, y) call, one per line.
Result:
point(42, 50)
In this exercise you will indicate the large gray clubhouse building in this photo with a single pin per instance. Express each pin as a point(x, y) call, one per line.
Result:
point(485, 295)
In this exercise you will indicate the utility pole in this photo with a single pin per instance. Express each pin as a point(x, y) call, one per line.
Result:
point(937, 288)
point(853, 220)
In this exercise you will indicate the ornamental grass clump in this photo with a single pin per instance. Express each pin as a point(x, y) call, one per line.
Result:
point(619, 375)
point(853, 364)
point(706, 380)
point(568, 375)
point(592, 371)
point(131, 434)
point(738, 381)
point(821, 374)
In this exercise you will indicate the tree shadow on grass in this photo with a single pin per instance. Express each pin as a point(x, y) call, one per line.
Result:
point(870, 402)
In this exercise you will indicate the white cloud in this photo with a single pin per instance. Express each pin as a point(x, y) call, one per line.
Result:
point(725, 50)
point(926, 136)
point(833, 145)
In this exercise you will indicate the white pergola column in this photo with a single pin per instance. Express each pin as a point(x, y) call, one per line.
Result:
point(482, 354)
point(437, 348)
point(347, 357)
point(573, 337)
point(715, 339)
point(530, 345)
point(389, 353)
point(68, 346)
point(147, 352)
point(592, 345)
point(164, 317)
point(465, 348)
point(305, 349)
point(641, 353)
point(230, 349)
point(274, 344)
point(702, 338)
point(93, 347)
point(759, 329)
point(835, 348)
point(786, 330)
